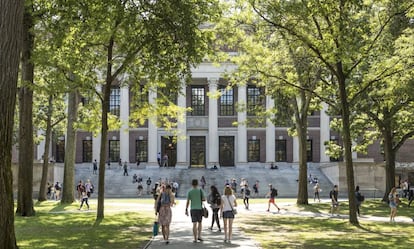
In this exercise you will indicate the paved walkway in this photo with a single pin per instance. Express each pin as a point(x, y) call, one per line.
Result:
point(181, 227)
point(181, 236)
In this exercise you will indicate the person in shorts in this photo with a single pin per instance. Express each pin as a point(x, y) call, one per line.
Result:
point(228, 207)
point(196, 197)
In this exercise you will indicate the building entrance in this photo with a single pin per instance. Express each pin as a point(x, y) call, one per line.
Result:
point(226, 151)
point(197, 152)
point(168, 151)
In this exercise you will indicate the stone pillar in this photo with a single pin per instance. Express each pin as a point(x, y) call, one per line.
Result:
point(213, 141)
point(182, 161)
point(41, 145)
point(295, 149)
point(153, 147)
point(124, 118)
point(96, 147)
point(241, 140)
point(324, 133)
point(270, 134)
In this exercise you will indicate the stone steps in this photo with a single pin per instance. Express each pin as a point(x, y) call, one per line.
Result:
point(284, 179)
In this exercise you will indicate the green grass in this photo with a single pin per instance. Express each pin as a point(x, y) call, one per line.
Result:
point(127, 226)
point(278, 231)
point(52, 228)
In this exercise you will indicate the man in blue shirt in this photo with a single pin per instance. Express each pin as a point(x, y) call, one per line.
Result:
point(196, 197)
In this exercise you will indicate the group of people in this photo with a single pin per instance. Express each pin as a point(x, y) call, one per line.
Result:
point(84, 191)
point(223, 206)
point(54, 191)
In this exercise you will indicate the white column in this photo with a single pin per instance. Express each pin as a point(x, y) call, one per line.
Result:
point(213, 141)
point(96, 147)
point(295, 149)
point(241, 141)
point(270, 133)
point(152, 132)
point(41, 145)
point(182, 161)
point(124, 117)
point(324, 133)
point(354, 153)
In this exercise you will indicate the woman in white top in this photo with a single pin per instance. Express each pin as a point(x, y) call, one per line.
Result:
point(227, 208)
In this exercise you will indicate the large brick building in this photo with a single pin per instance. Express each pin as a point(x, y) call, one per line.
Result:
point(211, 138)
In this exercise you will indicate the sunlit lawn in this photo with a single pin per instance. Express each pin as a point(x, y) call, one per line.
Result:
point(127, 225)
point(278, 231)
point(52, 228)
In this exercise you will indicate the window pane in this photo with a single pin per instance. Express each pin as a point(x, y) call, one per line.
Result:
point(114, 150)
point(309, 150)
point(227, 102)
point(60, 151)
point(254, 100)
point(115, 101)
point(87, 151)
point(253, 151)
point(141, 150)
point(197, 101)
point(280, 150)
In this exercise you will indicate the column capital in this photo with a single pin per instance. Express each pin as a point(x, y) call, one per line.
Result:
point(213, 81)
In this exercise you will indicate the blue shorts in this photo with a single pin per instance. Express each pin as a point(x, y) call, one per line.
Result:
point(196, 215)
point(228, 215)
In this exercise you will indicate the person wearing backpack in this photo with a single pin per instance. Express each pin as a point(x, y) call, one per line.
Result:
point(214, 199)
point(246, 195)
point(272, 195)
point(165, 201)
point(359, 198)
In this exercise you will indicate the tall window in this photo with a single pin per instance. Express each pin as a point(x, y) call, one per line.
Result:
point(114, 151)
point(226, 102)
point(197, 100)
point(115, 101)
point(60, 150)
point(309, 150)
point(280, 152)
point(171, 94)
point(254, 100)
point(87, 151)
point(141, 150)
point(142, 96)
point(253, 153)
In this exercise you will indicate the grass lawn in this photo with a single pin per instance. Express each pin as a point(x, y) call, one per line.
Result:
point(128, 224)
point(281, 231)
point(63, 226)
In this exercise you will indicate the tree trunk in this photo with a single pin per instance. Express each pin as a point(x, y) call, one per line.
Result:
point(68, 195)
point(303, 167)
point(346, 136)
point(26, 149)
point(45, 167)
point(389, 155)
point(104, 131)
point(11, 17)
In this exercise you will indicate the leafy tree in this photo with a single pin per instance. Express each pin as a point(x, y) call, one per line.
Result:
point(343, 37)
point(11, 19)
point(286, 70)
point(114, 42)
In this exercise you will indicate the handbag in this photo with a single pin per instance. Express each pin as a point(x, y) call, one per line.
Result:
point(232, 209)
point(204, 209)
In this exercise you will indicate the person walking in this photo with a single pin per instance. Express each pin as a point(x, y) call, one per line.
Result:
point(246, 195)
point(359, 198)
point(196, 197)
point(214, 199)
point(80, 188)
point(333, 194)
point(125, 168)
point(84, 200)
point(166, 200)
point(95, 167)
point(228, 209)
point(393, 203)
point(272, 195)
point(89, 187)
point(316, 190)
point(203, 182)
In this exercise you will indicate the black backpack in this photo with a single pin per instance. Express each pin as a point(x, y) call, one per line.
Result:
point(273, 193)
point(217, 200)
